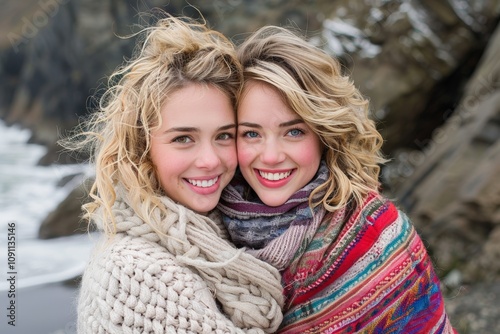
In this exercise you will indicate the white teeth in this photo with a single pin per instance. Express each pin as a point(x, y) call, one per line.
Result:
point(274, 176)
point(203, 183)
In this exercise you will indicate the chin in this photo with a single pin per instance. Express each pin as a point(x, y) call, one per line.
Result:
point(272, 201)
point(203, 208)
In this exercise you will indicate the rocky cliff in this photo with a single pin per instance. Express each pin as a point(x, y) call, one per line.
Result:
point(453, 192)
point(54, 55)
point(430, 68)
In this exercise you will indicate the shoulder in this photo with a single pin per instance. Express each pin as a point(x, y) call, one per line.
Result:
point(378, 218)
point(377, 207)
point(377, 210)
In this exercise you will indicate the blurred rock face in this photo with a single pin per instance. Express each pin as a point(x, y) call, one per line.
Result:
point(413, 59)
point(453, 193)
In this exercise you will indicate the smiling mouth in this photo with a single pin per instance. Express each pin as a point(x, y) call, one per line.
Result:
point(274, 176)
point(203, 183)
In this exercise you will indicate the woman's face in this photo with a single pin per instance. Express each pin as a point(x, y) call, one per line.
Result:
point(277, 152)
point(194, 151)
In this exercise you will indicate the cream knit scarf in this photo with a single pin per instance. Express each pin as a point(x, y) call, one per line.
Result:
point(248, 289)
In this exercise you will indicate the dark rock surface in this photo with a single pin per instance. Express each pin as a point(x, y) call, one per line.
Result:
point(54, 54)
point(474, 309)
point(66, 219)
point(452, 189)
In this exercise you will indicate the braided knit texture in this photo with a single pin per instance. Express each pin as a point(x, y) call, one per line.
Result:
point(144, 281)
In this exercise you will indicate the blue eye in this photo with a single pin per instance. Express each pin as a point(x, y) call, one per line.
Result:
point(250, 134)
point(295, 132)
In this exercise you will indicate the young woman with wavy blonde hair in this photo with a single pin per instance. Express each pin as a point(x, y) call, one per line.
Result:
point(163, 145)
point(307, 199)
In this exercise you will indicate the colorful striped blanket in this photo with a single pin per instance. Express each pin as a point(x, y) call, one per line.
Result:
point(370, 273)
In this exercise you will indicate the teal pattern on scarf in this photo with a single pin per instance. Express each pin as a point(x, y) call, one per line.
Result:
point(253, 224)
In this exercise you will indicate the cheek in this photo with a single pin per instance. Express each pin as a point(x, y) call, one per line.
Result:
point(170, 168)
point(232, 160)
point(308, 154)
point(165, 176)
point(229, 158)
point(245, 155)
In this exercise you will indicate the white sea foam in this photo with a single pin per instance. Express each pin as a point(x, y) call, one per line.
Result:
point(47, 261)
point(28, 192)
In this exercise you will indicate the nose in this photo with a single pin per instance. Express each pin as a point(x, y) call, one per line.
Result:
point(208, 157)
point(272, 153)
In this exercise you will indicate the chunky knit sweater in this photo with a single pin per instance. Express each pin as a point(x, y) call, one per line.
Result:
point(182, 279)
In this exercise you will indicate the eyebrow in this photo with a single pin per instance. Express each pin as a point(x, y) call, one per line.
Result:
point(194, 129)
point(292, 122)
point(227, 127)
point(281, 125)
point(250, 125)
point(182, 129)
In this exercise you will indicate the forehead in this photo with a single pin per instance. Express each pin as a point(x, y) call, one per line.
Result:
point(195, 103)
point(262, 103)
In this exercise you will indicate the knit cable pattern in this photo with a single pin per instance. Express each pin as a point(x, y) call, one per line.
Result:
point(248, 289)
point(133, 286)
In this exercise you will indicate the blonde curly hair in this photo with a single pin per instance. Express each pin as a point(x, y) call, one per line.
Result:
point(173, 53)
point(312, 85)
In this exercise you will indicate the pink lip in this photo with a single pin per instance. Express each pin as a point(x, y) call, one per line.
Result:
point(204, 191)
point(273, 184)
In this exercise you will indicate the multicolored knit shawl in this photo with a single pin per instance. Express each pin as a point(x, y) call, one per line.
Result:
point(372, 275)
point(363, 270)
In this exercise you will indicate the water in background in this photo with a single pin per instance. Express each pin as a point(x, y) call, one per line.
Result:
point(27, 194)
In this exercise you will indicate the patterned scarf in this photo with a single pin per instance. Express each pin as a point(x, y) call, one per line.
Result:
point(273, 234)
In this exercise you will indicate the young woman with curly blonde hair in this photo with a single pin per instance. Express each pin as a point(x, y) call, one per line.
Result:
point(307, 199)
point(163, 145)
